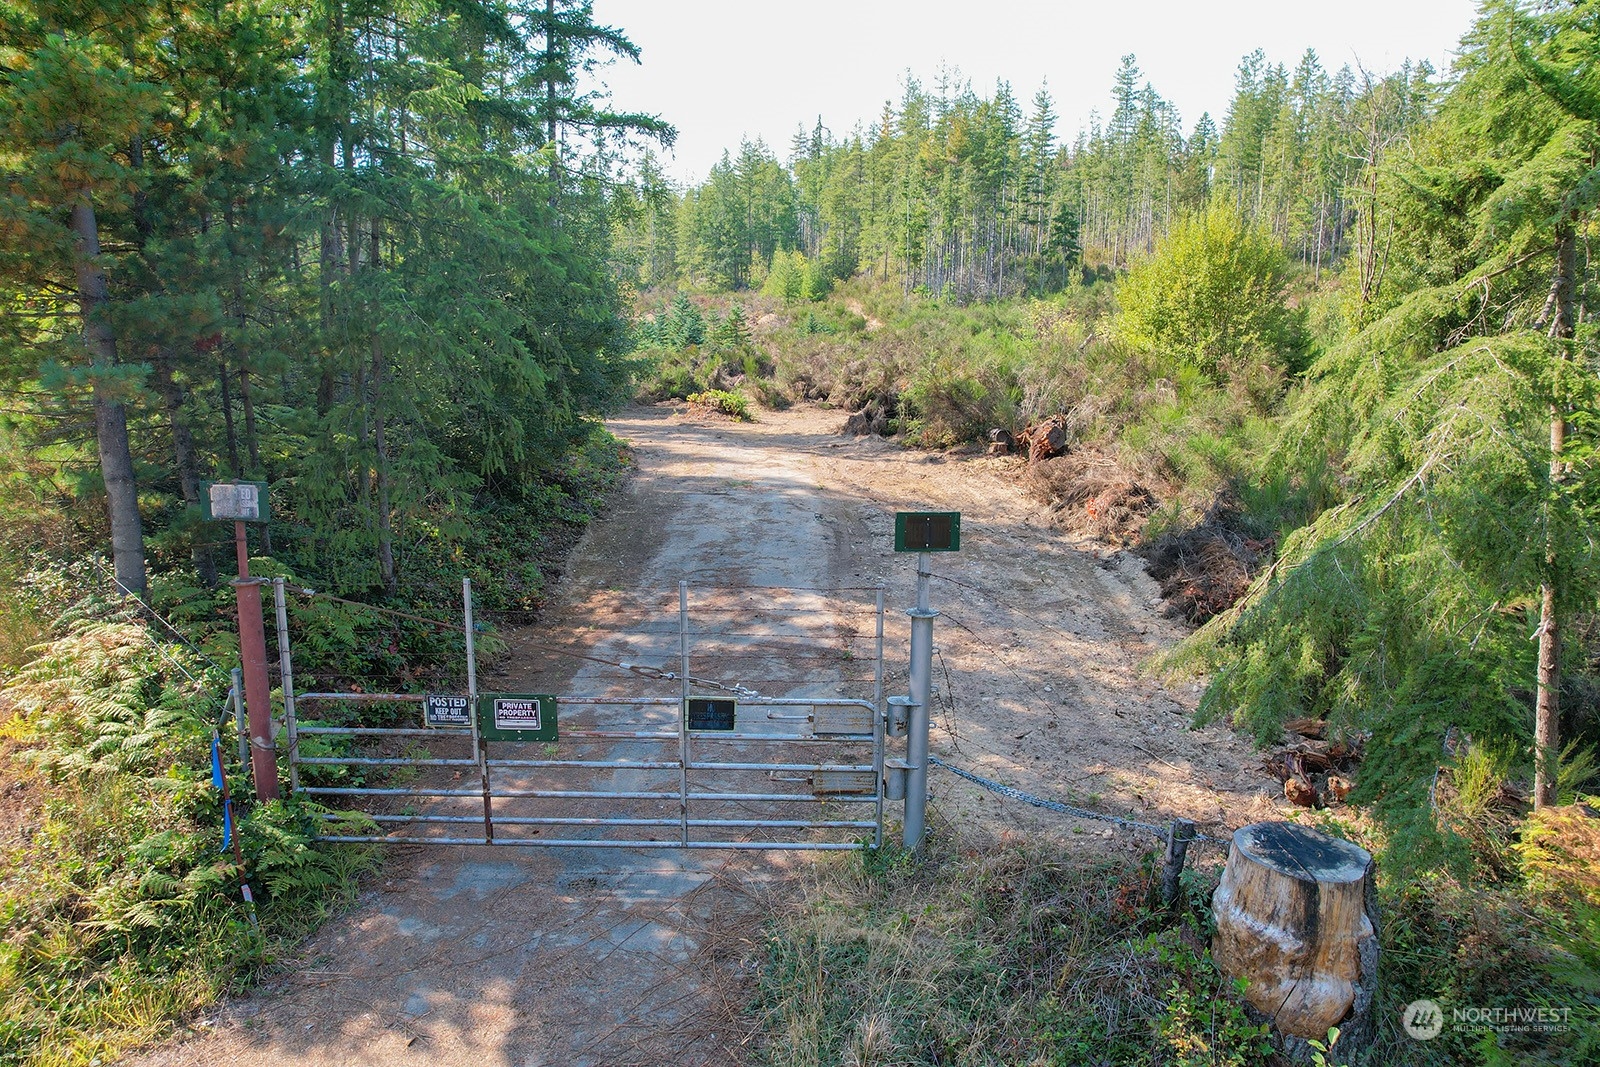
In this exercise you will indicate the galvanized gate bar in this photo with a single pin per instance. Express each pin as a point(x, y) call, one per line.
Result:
point(584, 794)
point(479, 750)
point(381, 731)
point(552, 820)
point(601, 842)
point(286, 673)
point(384, 761)
point(683, 716)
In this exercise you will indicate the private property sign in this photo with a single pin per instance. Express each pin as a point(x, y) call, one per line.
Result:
point(517, 717)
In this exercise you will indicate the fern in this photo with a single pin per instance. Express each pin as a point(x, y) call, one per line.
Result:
point(123, 895)
point(108, 697)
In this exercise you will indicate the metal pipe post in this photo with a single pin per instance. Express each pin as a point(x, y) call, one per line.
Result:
point(479, 751)
point(922, 617)
point(241, 727)
point(286, 671)
point(469, 633)
point(257, 689)
point(880, 730)
point(683, 708)
point(877, 673)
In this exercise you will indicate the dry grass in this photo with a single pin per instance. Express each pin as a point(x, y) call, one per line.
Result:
point(988, 951)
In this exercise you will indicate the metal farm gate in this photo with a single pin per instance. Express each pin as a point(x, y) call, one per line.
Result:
point(713, 765)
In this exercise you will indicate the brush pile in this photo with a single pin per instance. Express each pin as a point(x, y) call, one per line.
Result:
point(1206, 568)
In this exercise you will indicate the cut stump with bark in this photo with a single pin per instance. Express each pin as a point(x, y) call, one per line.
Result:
point(1296, 917)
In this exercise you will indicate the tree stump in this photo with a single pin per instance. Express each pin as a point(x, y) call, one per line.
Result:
point(1046, 439)
point(1296, 916)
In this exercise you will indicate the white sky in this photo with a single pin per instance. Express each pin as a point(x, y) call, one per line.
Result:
point(724, 69)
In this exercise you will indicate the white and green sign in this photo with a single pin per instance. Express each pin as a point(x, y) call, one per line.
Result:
point(241, 501)
point(517, 717)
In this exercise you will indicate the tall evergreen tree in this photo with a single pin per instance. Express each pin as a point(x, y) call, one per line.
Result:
point(1458, 528)
point(74, 109)
point(317, 246)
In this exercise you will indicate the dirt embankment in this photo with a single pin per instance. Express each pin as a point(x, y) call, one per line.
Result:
point(464, 955)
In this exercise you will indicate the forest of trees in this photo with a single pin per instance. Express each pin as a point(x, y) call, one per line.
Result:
point(353, 248)
point(982, 197)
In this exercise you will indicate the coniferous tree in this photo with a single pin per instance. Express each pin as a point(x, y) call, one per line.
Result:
point(74, 106)
point(1457, 529)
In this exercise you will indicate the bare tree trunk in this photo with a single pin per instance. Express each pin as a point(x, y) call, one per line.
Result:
point(246, 400)
point(251, 442)
point(1547, 710)
point(380, 445)
point(330, 257)
point(252, 446)
point(226, 397)
point(551, 126)
point(186, 459)
point(110, 418)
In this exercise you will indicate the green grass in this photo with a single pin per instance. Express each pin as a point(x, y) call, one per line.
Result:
point(1006, 951)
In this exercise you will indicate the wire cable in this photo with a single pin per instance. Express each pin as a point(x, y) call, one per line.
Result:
point(182, 639)
point(1011, 792)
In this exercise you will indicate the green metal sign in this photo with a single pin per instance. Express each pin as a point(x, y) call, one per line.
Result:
point(230, 501)
point(517, 717)
point(927, 531)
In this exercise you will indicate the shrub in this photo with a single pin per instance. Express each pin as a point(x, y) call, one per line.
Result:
point(734, 405)
point(121, 910)
point(1212, 296)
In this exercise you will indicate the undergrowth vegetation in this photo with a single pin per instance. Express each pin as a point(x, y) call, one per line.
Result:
point(120, 908)
point(1357, 502)
point(120, 905)
point(995, 952)
point(945, 374)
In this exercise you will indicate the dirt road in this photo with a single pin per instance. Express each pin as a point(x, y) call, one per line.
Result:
point(476, 956)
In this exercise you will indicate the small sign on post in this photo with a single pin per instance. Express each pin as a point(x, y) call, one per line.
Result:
point(446, 709)
point(239, 503)
point(235, 501)
point(517, 717)
point(927, 531)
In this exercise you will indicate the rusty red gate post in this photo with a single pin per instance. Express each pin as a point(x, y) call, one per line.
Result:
point(257, 688)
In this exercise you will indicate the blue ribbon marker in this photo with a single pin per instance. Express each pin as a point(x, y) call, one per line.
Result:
point(227, 801)
point(216, 762)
